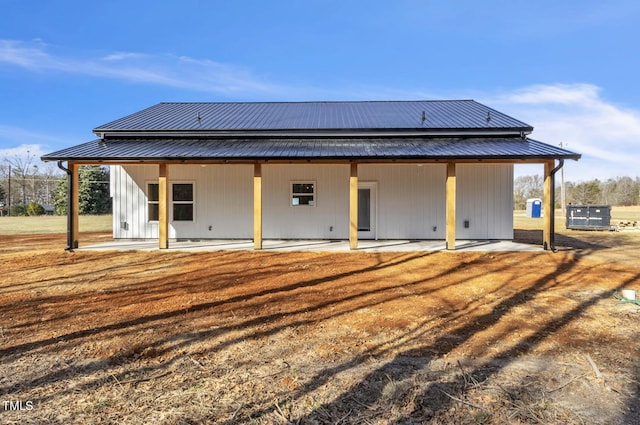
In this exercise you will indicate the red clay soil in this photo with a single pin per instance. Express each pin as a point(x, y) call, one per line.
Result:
point(318, 338)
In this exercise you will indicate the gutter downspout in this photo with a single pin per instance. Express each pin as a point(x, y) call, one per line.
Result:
point(552, 236)
point(70, 183)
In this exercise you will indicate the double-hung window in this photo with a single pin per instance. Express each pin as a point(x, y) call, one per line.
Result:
point(153, 197)
point(182, 198)
point(182, 201)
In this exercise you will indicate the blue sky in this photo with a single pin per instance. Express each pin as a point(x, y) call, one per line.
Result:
point(569, 68)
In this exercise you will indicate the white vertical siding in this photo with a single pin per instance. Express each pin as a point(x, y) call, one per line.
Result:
point(114, 189)
point(485, 200)
point(411, 199)
point(328, 219)
point(130, 202)
point(223, 201)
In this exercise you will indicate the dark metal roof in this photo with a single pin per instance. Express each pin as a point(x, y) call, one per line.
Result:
point(438, 148)
point(385, 130)
point(318, 116)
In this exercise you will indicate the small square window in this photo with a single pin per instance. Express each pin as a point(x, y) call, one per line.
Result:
point(303, 193)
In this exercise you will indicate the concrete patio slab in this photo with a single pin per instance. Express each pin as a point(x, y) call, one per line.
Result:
point(311, 245)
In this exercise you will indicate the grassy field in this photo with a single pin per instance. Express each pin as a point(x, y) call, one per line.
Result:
point(521, 221)
point(626, 213)
point(102, 223)
point(52, 224)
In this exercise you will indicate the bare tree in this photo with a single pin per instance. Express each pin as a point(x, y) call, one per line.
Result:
point(526, 187)
point(626, 192)
point(22, 168)
point(45, 183)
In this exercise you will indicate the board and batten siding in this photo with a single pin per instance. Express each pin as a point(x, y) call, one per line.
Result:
point(327, 219)
point(411, 201)
point(129, 203)
point(484, 199)
point(223, 204)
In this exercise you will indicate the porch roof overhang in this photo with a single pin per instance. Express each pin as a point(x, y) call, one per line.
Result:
point(380, 149)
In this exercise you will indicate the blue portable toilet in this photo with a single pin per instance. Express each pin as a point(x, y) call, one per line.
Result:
point(534, 208)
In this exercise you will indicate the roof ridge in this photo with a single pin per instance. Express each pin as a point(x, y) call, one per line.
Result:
point(313, 101)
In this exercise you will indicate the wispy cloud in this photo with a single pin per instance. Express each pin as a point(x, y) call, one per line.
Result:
point(26, 55)
point(577, 115)
point(122, 56)
point(608, 135)
point(20, 152)
point(562, 94)
point(166, 70)
point(16, 142)
point(11, 136)
point(24, 150)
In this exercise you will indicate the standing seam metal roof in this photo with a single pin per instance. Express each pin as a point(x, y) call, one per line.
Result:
point(243, 116)
point(314, 130)
point(137, 149)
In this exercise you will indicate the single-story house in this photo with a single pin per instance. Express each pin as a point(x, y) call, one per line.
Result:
point(313, 170)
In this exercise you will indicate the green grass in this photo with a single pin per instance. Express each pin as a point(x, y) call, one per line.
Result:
point(52, 224)
point(103, 223)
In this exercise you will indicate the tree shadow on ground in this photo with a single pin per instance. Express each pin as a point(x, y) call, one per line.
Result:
point(632, 416)
point(18, 349)
point(404, 379)
point(171, 343)
point(385, 387)
point(563, 242)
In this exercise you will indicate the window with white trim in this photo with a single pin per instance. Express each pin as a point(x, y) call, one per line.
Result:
point(183, 201)
point(303, 193)
point(153, 197)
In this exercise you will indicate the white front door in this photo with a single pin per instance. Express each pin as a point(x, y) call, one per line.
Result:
point(367, 209)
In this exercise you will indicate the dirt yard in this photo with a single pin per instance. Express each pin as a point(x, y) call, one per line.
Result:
point(313, 338)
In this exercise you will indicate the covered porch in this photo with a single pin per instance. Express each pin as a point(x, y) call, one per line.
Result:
point(354, 242)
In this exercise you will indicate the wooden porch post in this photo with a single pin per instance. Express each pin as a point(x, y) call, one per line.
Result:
point(451, 205)
point(75, 205)
point(257, 206)
point(548, 205)
point(353, 206)
point(163, 206)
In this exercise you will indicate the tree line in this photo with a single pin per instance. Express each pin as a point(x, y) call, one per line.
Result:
point(32, 189)
point(621, 191)
point(27, 188)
